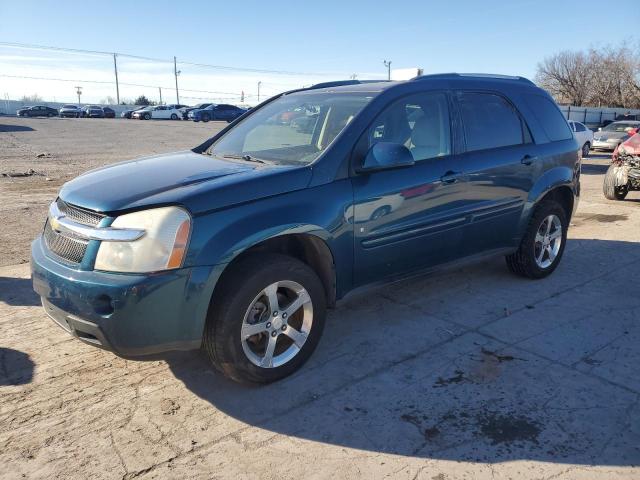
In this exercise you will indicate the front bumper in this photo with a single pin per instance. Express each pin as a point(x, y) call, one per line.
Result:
point(130, 315)
point(604, 145)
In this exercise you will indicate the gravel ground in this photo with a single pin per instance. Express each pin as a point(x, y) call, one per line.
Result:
point(473, 373)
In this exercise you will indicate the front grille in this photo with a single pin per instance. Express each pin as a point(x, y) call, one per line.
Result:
point(68, 249)
point(80, 215)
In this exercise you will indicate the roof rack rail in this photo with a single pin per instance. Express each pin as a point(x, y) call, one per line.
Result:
point(475, 75)
point(341, 83)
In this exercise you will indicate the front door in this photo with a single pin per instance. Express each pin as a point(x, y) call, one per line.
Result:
point(407, 218)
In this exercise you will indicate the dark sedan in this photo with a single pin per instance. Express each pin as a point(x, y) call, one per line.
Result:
point(185, 111)
point(109, 112)
point(93, 111)
point(37, 111)
point(217, 112)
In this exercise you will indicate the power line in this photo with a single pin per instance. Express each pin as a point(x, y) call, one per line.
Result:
point(104, 82)
point(163, 60)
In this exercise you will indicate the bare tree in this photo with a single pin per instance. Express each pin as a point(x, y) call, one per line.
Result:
point(566, 76)
point(601, 77)
point(31, 98)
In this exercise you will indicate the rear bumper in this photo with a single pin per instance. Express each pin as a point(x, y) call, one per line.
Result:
point(130, 315)
point(597, 145)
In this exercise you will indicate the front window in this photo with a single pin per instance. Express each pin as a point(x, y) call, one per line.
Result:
point(620, 127)
point(294, 129)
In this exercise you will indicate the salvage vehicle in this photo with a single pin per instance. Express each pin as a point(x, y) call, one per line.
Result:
point(37, 111)
point(92, 111)
point(128, 113)
point(241, 244)
point(609, 137)
point(623, 175)
point(72, 111)
point(583, 135)
point(216, 112)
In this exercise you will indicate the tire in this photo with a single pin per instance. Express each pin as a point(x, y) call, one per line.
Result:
point(609, 188)
point(524, 261)
point(205, 117)
point(174, 116)
point(243, 296)
point(585, 150)
point(146, 116)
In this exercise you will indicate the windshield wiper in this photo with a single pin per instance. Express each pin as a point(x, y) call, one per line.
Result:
point(247, 158)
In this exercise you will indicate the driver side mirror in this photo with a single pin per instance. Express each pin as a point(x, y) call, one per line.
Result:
point(386, 155)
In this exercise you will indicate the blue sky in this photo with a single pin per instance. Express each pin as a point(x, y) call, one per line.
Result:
point(330, 39)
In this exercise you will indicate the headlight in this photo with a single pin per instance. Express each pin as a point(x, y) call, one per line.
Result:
point(162, 247)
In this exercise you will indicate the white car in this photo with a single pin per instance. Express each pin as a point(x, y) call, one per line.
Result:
point(583, 135)
point(160, 112)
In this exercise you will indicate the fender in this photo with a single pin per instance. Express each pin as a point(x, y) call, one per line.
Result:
point(551, 179)
point(221, 236)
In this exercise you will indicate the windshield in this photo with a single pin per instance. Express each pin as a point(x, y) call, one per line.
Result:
point(294, 129)
point(620, 126)
point(69, 106)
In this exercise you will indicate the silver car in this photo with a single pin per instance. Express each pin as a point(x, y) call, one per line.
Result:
point(609, 137)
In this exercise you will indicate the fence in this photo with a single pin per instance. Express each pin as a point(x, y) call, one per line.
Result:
point(594, 116)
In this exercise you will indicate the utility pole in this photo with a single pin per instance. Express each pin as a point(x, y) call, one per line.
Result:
point(176, 73)
point(259, 83)
point(388, 65)
point(115, 68)
point(79, 92)
point(160, 90)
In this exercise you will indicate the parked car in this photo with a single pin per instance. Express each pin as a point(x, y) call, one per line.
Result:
point(143, 113)
point(109, 112)
point(623, 174)
point(37, 111)
point(241, 244)
point(92, 111)
point(609, 137)
point(216, 112)
point(583, 135)
point(159, 112)
point(128, 113)
point(185, 110)
point(72, 111)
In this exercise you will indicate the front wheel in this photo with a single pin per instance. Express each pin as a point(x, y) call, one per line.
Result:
point(610, 189)
point(266, 319)
point(585, 150)
point(205, 117)
point(147, 116)
point(543, 243)
point(174, 116)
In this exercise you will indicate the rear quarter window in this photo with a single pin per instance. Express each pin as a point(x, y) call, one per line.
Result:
point(548, 115)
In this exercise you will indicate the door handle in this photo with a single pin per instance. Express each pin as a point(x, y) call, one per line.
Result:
point(450, 177)
point(527, 160)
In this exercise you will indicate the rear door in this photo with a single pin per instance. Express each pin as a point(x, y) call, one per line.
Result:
point(407, 218)
point(499, 164)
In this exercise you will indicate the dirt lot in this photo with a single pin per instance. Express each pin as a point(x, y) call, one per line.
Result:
point(471, 374)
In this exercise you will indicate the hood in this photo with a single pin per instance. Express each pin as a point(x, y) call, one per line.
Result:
point(198, 182)
point(632, 146)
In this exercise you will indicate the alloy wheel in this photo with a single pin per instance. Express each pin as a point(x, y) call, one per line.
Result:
point(277, 324)
point(548, 241)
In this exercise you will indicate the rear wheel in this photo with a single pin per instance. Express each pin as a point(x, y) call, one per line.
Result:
point(585, 149)
point(543, 244)
point(205, 117)
point(270, 320)
point(174, 116)
point(147, 116)
point(609, 188)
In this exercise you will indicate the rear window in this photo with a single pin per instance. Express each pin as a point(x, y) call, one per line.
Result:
point(549, 116)
point(489, 121)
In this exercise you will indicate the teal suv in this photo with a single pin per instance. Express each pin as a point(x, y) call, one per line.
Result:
point(240, 245)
